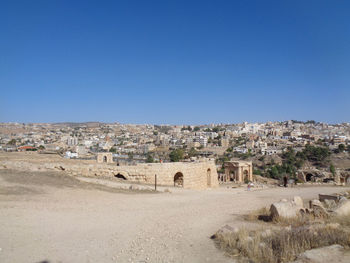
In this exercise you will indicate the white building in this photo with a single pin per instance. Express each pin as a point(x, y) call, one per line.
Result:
point(202, 140)
point(72, 141)
point(71, 155)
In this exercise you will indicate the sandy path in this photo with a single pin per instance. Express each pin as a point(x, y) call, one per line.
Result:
point(79, 224)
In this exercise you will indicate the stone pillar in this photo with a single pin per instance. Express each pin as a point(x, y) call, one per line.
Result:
point(239, 174)
point(251, 172)
point(227, 173)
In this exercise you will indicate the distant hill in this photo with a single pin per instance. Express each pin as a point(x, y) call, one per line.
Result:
point(90, 124)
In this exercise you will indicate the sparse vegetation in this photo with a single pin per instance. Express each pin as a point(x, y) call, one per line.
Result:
point(257, 214)
point(283, 244)
point(282, 239)
point(188, 128)
point(176, 155)
point(332, 169)
point(192, 152)
point(257, 171)
point(149, 158)
point(12, 142)
point(113, 150)
point(341, 147)
point(292, 161)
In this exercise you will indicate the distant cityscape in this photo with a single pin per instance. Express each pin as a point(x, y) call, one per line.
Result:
point(131, 143)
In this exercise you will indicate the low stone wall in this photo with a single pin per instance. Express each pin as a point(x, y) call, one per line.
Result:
point(196, 175)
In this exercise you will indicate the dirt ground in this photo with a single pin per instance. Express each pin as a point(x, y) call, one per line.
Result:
point(51, 217)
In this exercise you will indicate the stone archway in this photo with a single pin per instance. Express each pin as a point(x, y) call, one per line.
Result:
point(245, 176)
point(209, 177)
point(178, 179)
point(239, 171)
point(309, 177)
point(233, 176)
point(104, 157)
point(120, 176)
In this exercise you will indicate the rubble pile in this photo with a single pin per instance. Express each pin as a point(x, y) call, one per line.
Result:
point(325, 206)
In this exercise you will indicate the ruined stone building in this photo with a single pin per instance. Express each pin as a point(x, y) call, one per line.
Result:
point(191, 175)
point(237, 171)
point(105, 158)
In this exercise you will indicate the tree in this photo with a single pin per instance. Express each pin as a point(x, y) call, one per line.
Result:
point(149, 158)
point(176, 155)
point(216, 129)
point(41, 147)
point(192, 152)
point(188, 128)
point(341, 147)
point(314, 154)
point(310, 122)
point(332, 169)
point(273, 172)
point(196, 128)
point(12, 142)
point(257, 171)
point(113, 150)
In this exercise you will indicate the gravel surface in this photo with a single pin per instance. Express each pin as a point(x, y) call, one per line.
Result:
point(57, 218)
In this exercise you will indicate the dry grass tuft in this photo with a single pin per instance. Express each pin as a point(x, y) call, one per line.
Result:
point(294, 221)
point(284, 244)
point(260, 214)
point(343, 221)
point(263, 214)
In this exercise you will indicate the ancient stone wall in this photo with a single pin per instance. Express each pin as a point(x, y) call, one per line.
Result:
point(104, 158)
point(195, 175)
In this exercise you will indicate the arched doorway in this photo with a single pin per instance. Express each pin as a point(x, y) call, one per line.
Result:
point(245, 176)
point(179, 180)
point(209, 177)
point(233, 176)
point(308, 177)
point(120, 176)
point(105, 159)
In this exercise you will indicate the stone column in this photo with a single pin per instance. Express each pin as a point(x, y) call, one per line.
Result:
point(227, 173)
point(239, 174)
point(251, 172)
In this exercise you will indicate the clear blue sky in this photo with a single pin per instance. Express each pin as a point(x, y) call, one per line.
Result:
point(174, 61)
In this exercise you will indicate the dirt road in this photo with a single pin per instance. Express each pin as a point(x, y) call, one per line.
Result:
point(48, 216)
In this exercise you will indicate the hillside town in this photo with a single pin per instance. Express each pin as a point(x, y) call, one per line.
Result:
point(267, 145)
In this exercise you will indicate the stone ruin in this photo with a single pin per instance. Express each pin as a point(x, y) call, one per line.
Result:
point(189, 175)
point(325, 206)
point(341, 177)
point(237, 171)
point(105, 158)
